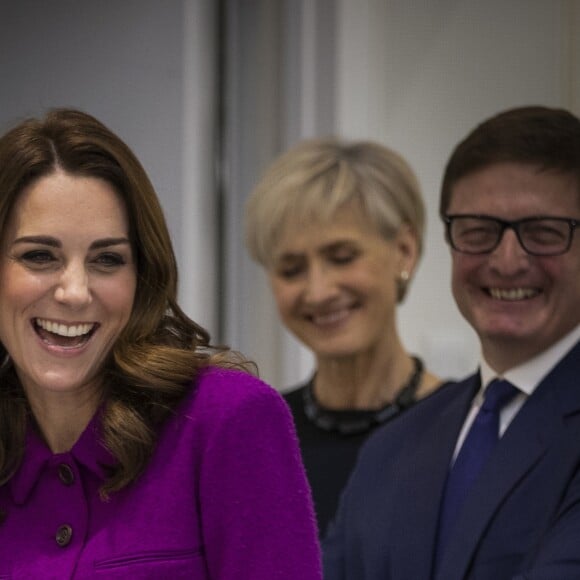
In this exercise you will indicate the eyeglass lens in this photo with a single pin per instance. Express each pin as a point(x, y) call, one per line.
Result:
point(540, 236)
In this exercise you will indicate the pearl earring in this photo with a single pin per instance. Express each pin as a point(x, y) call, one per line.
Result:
point(402, 283)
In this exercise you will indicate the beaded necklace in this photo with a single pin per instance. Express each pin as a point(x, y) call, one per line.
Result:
point(354, 422)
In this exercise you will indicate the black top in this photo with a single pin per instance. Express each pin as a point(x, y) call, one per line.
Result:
point(330, 441)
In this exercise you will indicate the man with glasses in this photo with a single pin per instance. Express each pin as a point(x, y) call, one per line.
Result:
point(481, 481)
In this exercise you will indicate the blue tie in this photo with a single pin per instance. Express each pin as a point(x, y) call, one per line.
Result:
point(476, 449)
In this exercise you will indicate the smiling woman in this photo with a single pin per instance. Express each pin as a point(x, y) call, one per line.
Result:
point(338, 228)
point(130, 447)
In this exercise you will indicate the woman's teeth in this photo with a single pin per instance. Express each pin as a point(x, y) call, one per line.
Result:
point(331, 317)
point(63, 329)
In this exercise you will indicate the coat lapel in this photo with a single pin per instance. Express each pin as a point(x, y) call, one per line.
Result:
point(527, 439)
point(424, 479)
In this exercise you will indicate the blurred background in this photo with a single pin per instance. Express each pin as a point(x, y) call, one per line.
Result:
point(208, 92)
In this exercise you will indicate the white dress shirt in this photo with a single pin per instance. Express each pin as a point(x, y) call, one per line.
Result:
point(526, 377)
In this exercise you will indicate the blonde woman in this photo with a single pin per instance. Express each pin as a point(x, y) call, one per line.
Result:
point(338, 228)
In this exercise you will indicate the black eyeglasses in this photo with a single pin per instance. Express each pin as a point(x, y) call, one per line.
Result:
point(538, 236)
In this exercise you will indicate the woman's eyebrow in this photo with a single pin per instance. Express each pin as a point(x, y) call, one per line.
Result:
point(55, 243)
point(44, 240)
point(106, 242)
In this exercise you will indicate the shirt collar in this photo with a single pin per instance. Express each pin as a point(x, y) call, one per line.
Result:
point(87, 451)
point(527, 376)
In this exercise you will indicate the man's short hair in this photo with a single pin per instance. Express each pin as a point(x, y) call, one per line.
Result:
point(541, 136)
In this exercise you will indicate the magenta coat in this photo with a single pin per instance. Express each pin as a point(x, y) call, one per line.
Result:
point(224, 497)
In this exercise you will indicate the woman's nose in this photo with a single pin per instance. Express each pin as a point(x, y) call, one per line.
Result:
point(73, 287)
point(320, 285)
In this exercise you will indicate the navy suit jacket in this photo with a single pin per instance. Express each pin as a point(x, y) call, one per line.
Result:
point(521, 520)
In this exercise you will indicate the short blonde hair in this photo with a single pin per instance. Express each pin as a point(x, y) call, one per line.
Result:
point(317, 177)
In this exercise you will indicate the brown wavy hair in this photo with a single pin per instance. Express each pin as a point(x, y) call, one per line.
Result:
point(160, 350)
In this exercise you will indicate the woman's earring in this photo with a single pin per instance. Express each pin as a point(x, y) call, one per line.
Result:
point(402, 283)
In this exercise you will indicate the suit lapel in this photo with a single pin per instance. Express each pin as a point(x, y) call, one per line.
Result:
point(516, 455)
point(533, 430)
point(423, 480)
